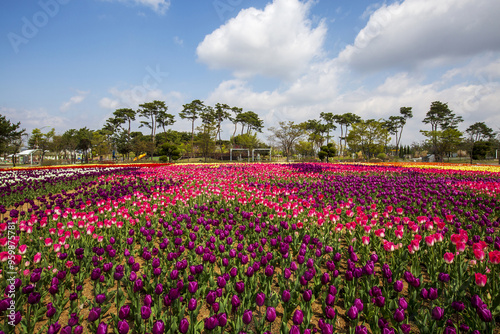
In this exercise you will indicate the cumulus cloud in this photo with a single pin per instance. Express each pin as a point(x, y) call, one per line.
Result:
point(421, 32)
point(132, 97)
point(34, 118)
point(76, 99)
point(278, 41)
point(159, 6)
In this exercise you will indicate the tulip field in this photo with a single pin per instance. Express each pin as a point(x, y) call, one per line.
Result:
point(250, 248)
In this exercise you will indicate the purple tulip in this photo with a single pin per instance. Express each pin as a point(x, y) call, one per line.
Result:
point(123, 327)
point(235, 301)
point(124, 312)
point(353, 312)
point(307, 295)
point(360, 330)
point(183, 326)
point(101, 298)
point(437, 313)
point(247, 317)
point(192, 304)
point(54, 328)
point(94, 314)
point(211, 296)
point(398, 286)
point(222, 319)
point(271, 314)
point(458, 306)
point(405, 328)
point(403, 303)
point(66, 330)
point(329, 312)
point(145, 312)
point(294, 330)
point(260, 298)
point(193, 287)
point(484, 314)
point(433, 294)
point(102, 328)
point(78, 330)
point(159, 327)
point(285, 297)
point(298, 317)
point(359, 304)
point(399, 315)
point(211, 323)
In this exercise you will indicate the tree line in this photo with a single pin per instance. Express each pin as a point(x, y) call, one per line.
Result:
point(361, 138)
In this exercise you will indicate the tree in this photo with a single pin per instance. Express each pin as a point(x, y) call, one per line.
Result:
point(10, 135)
point(151, 111)
point(316, 133)
point(164, 119)
point(221, 112)
point(327, 151)
point(251, 120)
point(191, 111)
point(480, 149)
point(440, 117)
point(41, 141)
point(70, 142)
point(329, 125)
point(478, 131)
point(235, 119)
point(169, 152)
point(85, 143)
point(286, 135)
point(125, 115)
point(369, 137)
point(345, 121)
point(395, 124)
point(249, 141)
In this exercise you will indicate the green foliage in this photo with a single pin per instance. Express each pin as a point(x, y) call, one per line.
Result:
point(480, 149)
point(382, 156)
point(327, 151)
point(170, 152)
point(370, 137)
point(9, 133)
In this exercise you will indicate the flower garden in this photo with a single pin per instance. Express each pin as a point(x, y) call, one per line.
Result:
point(250, 248)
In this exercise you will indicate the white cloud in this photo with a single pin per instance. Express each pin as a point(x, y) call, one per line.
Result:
point(159, 6)
point(74, 100)
point(131, 98)
point(278, 41)
point(36, 118)
point(425, 32)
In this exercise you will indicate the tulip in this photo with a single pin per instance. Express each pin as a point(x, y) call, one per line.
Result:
point(54, 328)
point(222, 319)
point(123, 327)
point(183, 326)
point(481, 279)
point(298, 317)
point(270, 314)
point(211, 323)
point(285, 297)
point(94, 314)
point(399, 315)
point(102, 328)
point(145, 312)
point(260, 298)
point(307, 295)
point(159, 327)
point(247, 317)
point(437, 313)
point(124, 312)
point(353, 312)
point(235, 301)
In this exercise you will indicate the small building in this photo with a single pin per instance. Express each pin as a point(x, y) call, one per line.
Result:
point(429, 158)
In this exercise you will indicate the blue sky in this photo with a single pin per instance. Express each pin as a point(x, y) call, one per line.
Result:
point(68, 64)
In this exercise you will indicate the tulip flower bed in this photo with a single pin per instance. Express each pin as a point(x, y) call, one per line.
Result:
point(299, 248)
